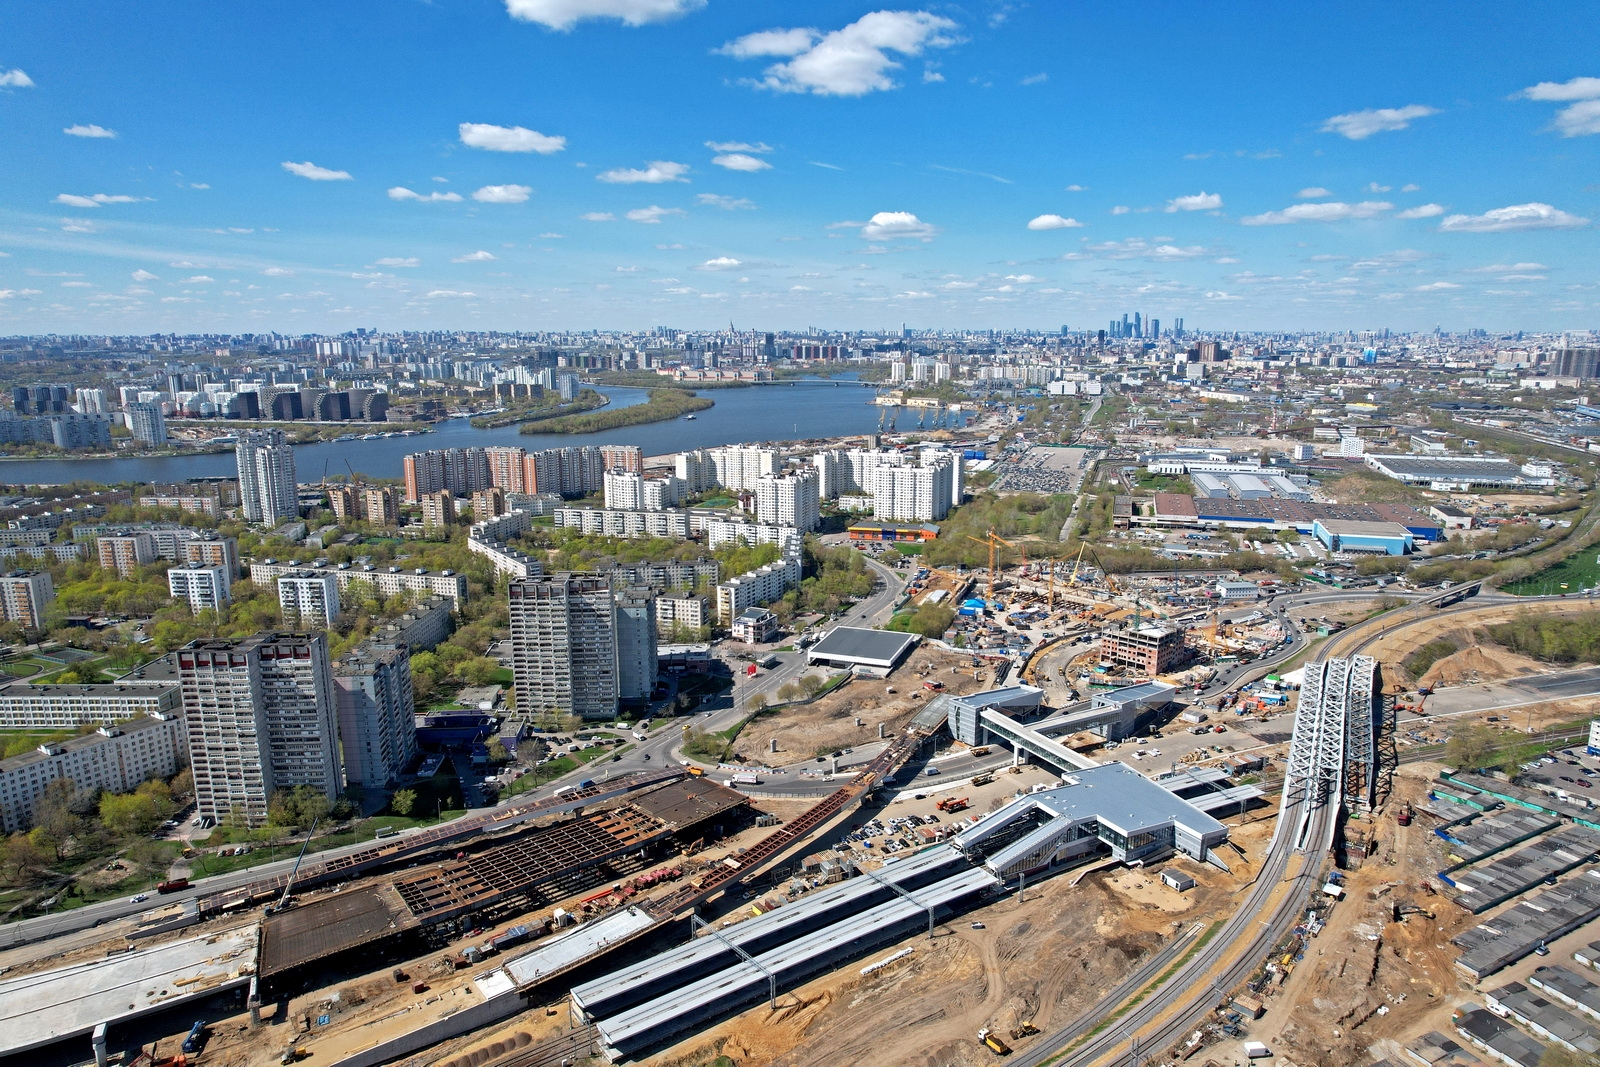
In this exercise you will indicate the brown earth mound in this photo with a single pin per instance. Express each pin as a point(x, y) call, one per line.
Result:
point(1478, 664)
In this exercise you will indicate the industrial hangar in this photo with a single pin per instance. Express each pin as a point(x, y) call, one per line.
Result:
point(865, 651)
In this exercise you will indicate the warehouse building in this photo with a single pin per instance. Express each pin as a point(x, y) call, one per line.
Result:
point(1362, 538)
point(1463, 472)
point(861, 649)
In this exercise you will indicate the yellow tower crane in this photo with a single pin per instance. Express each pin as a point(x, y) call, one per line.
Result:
point(994, 540)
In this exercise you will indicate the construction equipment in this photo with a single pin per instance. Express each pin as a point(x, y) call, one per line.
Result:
point(1403, 817)
point(1024, 1029)
point(988, 1037)
point(283, 901)
point(982, 779)
point(953, 804)
point(1403, 909)
point(994, 540)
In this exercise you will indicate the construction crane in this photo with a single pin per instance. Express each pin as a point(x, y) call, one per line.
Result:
point(994, 540)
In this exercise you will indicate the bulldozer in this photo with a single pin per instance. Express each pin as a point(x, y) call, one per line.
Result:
point(1023, 1029)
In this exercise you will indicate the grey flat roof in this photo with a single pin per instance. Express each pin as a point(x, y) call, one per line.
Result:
point(852, 644)
point(1446, 466)
point(1118, 794)
point(48, 1006)
point(575, 945)
point(1141, 692)
point(1363, 528)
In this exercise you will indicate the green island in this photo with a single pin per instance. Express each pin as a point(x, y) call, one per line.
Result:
point(543, 408)
point(664, 404)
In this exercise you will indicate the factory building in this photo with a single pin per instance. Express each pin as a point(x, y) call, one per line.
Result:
point(1362, 538)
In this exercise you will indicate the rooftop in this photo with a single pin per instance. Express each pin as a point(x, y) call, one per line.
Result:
point(1362, 528)
point(851, 644)
point(1117, 794)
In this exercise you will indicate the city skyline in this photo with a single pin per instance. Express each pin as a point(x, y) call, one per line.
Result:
point(573, 164)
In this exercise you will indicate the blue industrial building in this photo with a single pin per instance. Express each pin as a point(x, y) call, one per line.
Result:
point(1374, 538)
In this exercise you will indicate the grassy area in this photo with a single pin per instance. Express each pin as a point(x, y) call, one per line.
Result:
point(1576, 572)
point(663, 404)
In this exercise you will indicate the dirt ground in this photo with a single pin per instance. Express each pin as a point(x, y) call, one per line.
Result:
point(804, 731)
point(1480, 663)
point(1367, 977)
point(1392, 649)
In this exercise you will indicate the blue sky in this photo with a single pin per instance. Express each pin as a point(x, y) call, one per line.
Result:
point(575, 164)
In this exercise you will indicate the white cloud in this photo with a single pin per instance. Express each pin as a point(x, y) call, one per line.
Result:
point(1575, 89)
point(1533, 216)
point(1436, 287)
point(626, 270)
point(77, 285)
point(598, 216)
point(1333, 211)
point(479, 256)
point(509, 139)
point(720, 263)
point(1218, 294)
point(1023, 279)
point(931, 76)
point(502, 194)
point(1121, 209)
point(740, 161)
point(1359, 125)
point(398, 261)
point(1422, 211)
point(400, 192)
point(15, 79)
point(1504, 268)
point(759, 147)
point(89, 130)
point(12, 294)
point(1053, 222)
point(316, 173)
point(1077, 188)
point(652, 214)
point(1582, 95)
point(889, 225)
point(143, 276)
point(656, 173)
point(197, 279)
point(1036, 79)
point(1201, 201)
point(278, 272)
point(852, 61)
point(1410, 187)
point(96, 200)
point(1315, 192)
point(1374, 187)
point(726, 203)
point(552, 236)
point(447, 292)
point(564, 14)
point(1139, 248)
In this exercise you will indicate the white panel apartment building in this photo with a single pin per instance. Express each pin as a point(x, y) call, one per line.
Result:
point(741, 467)
point(64, 707)
point(760, 586)
point(790, 499)
point(387, 581)
point(629, 491)
point(309, 599)
point(25, 596)
point(261, 716)
point(906, 493)
point(114, 758)
point(726, 531)
point(377, 724)
point(614, 523)
point(202, 586)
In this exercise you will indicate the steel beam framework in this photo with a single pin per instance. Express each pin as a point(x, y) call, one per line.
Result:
point(1335, 743)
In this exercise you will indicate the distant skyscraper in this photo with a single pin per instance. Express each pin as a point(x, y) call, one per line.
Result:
point(564, 646)
point(266, 477)
point(147, 423)
point(261, 717)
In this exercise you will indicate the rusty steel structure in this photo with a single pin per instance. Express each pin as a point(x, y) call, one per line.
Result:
point(396, 849)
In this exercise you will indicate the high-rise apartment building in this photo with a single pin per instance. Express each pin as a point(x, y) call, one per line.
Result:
point(1577, 363)
point(126, 553)
point(201, 585)
point(463, 471)
point(438, 510)
point(564, 646)
point(381, 505)
point(622, 458)
point(565, 471)
point(742, 466)
point(628, 491)
point(261, 716)
point(209, 550)
point(695, 470)
point(25, 596)
point(902, 492)
point(345, 502)
point(377, 725)
point(636, 645)
point(147, 423)
point(790, 499)
point(488, 503)
point(308, 599)
point(266, 477)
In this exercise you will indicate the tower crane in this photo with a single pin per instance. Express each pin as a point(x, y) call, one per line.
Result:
point(994, 540)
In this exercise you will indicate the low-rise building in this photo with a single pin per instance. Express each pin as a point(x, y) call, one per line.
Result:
point(755, 626)
point(423, 627)
point(114, 759)
point(614, 523)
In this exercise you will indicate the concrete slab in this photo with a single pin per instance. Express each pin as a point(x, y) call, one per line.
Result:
point(37, 1009)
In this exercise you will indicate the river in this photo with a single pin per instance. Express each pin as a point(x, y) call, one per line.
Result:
point(778, 412)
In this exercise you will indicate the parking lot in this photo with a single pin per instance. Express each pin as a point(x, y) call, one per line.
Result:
point(1042, 470)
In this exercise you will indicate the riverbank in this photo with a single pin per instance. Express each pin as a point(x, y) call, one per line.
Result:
point(588, 400)
point(664, 404)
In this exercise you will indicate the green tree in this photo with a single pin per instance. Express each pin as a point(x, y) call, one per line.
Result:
point(128, 814)
point(403, 801)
